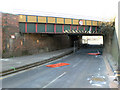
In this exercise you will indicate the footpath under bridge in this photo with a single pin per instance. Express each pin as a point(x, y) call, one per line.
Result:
point(57, 25)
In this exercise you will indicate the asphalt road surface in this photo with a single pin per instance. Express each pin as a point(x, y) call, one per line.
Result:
point(79, 74)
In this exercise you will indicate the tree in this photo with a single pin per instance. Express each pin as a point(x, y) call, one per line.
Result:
point(107, 29)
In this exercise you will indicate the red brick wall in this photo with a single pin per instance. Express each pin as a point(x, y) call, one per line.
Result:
point(26, 44)
point(37, 43)
point(10, 26)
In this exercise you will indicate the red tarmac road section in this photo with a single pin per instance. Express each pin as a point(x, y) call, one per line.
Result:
point(57, 65)
point(94, 53)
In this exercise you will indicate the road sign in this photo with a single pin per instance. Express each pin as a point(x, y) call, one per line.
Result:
point(81, 22)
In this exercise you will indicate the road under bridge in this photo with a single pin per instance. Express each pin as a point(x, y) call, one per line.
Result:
point(84, 71)
point(27, 35)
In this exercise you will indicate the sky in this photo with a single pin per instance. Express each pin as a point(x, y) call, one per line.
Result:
point(82, 9)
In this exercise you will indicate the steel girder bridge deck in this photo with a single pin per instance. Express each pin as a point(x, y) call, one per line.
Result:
point(57, 25)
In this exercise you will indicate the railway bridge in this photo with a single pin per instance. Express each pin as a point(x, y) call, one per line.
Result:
point(57, 25)
point(22, 35)
point(29, 34)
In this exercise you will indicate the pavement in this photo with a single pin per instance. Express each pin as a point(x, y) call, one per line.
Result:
point(111, 61)
point(84, 71)
point(15, 62)
point(111, 66)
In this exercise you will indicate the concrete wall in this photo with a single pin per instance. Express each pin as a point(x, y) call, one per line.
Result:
point(118, 29)
point(0, 35)
point(115, 47)
point(112, 47)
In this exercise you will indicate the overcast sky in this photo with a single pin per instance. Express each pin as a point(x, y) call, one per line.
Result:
point(89, 9)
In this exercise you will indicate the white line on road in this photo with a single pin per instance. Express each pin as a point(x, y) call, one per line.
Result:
point(33, 67)
point(76, 64)
point(54, 80)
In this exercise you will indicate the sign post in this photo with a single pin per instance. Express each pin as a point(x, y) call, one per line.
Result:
point(74, 46)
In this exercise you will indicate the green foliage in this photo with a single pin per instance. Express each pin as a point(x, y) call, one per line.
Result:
point(11, 56)
point(107, 28)
point(25, 52)
point(4, 51)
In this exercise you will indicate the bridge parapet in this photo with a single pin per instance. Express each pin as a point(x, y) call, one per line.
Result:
point(57, 20)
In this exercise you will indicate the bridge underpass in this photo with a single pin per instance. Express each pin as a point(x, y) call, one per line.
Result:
point(36, 34)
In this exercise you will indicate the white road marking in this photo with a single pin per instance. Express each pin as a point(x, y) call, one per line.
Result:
point(54, 80)
point(3, 77)
point(76, 64)
point(4, 59)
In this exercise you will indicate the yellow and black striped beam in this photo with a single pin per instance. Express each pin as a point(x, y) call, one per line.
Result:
point(79, 31)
